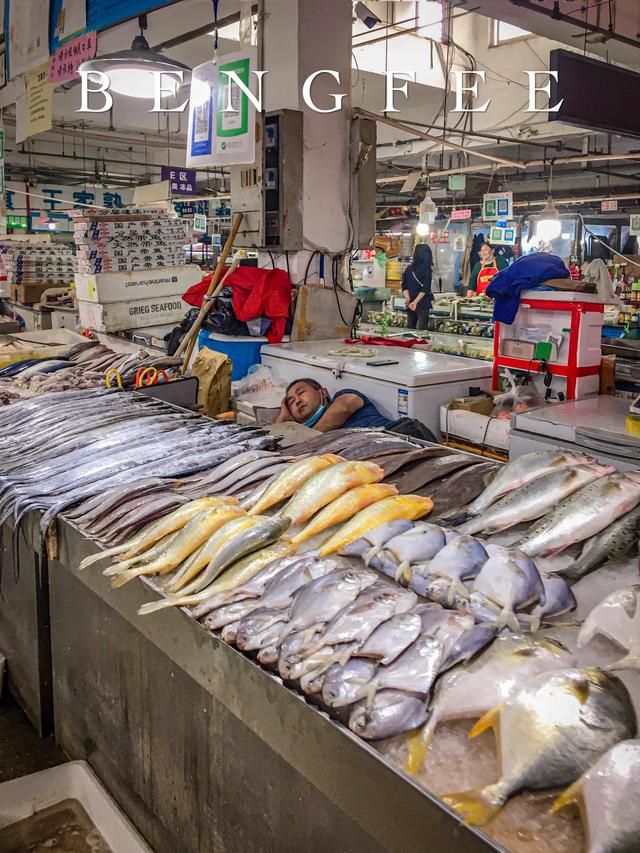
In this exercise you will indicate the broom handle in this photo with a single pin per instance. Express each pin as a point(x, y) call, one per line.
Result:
point(188, 342)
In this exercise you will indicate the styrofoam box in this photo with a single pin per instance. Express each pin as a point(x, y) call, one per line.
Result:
point(133, 314)
point(476, 428)
point(21, 798)
point(138, 284)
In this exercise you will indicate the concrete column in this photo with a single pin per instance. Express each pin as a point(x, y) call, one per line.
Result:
point(300, 38)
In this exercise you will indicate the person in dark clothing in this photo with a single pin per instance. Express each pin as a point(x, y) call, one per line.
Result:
point(307, 402)
point(416, 287)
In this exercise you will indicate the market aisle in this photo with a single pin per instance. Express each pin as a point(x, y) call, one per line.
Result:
point(21, 750)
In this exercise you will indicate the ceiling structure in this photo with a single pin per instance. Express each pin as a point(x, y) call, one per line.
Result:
point(127, 147)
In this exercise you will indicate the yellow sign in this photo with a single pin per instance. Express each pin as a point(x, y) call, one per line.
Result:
point(38, 102)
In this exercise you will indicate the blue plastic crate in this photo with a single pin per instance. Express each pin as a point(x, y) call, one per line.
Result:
point(612, 332)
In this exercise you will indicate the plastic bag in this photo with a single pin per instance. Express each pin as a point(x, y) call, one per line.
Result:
point(518, 398)
point(259, 387)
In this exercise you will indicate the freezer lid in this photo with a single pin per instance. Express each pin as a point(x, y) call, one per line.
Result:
point(596, 423)
point(416, 366)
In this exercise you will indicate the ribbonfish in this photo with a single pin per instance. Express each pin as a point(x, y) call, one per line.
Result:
point(548, 733)
point(151, 534)
point(327, 485)
point(469, 691)
point(289, 481)
point(535, 498)
point(399, 507)
point(617, 618)
point(190, 538)
point(344, 508)
point(521, 471)
point(584, 514)
point(234, 577)
point(609, 798)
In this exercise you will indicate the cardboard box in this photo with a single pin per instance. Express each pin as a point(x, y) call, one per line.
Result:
point(161, 282)
point(30, 294)
point(133, 314)
point(518, 349)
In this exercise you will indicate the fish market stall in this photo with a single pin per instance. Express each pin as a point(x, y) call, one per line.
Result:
point(287, 649)
point(413, 382)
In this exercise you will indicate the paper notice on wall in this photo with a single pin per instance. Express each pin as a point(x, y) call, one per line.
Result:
point(28, 35)
point(71, 20)
point(34, 113)
point(69, 57)
point(222, 120)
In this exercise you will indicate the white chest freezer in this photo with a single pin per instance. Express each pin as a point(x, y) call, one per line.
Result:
point(593, 425)
point(415, 387)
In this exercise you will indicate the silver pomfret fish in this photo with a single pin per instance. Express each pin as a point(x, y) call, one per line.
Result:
point(549, 733)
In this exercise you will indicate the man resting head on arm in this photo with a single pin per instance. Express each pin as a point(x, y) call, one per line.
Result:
point(307, 402)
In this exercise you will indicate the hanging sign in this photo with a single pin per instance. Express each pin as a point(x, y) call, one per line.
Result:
point(200, 223)
point(28, 35)
point(497, 206)
point(36, 107)
point(219, 136)
point(609, 205)
point(70, 20)
point(69, 57)
point(457, 182)
point(460, 215)
point(182, 181)
point(500, 236)
point(634, 225)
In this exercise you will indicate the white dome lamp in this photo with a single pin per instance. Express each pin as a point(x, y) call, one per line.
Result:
point(130, 71)
point(426, 216)
point(549, 226)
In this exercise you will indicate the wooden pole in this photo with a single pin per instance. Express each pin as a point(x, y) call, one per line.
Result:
point(215, 285)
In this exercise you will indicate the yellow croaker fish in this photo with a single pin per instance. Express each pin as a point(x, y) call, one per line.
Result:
point(202, 557)
point(159, 529)
point(287, 483)
point(344, 508)
point(327, 485)
point(409, 507)
point(235, 576)
point(234, 541)
point(190, 538)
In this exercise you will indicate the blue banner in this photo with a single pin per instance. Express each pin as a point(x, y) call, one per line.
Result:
point(104, 13)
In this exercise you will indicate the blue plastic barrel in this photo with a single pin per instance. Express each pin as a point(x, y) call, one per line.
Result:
point(243, 352)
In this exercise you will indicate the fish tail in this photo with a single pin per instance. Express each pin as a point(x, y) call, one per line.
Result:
point(508, 619)
point(370, 553)
point(101, 555)
point(418, 747)
point(569, 797)
point(477, 807)
point(629, 662)
point(402, 572)
point(455, 520)
point(487, 721)
point(123, 578)
point(154, 606)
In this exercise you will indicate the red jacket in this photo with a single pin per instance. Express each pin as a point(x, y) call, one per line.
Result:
point(256, 293)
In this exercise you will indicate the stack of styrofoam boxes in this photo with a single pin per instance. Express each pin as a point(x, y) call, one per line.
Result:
point(34, 268)
point(131, 268)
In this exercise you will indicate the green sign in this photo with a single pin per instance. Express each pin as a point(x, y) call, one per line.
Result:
point(17, 221)
point(457, 182)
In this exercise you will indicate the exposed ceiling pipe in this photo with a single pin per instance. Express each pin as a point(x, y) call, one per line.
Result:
point(112, 137)
point(529, 164)
point(399, 125)
point(576, 22)
point(201, 31)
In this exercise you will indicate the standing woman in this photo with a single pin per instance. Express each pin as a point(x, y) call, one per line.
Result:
point(485, 270)
point(416, 287)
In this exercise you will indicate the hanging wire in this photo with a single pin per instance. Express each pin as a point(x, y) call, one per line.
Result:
point(215, 31)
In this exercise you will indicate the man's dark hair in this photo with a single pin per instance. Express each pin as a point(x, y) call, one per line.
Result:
point(316, 385)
